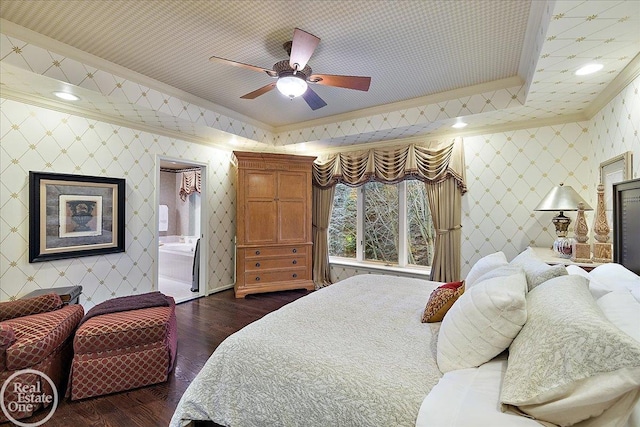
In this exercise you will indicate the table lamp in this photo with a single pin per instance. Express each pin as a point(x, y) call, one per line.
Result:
point(562, 198)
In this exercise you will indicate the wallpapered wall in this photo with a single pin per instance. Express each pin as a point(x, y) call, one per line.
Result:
point(509, 173)
point(37, 139)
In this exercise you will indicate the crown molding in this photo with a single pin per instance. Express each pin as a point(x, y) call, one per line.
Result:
point(13, 30)
point(622, 80)
point(65, 108)
point(507, 83)
point(453, 133)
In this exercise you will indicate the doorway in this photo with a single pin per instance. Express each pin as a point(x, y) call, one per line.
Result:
point(181, 229)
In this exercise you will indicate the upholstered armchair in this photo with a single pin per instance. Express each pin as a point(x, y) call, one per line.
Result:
point(36, 333)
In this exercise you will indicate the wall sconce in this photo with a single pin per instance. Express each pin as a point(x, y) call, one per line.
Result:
point(562, 198)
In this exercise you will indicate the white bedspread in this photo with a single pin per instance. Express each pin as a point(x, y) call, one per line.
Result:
point(352, 354)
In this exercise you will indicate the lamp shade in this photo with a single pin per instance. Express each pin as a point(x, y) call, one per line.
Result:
point(562, 198)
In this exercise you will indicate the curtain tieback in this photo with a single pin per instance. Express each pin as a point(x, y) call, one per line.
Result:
point(457, 227)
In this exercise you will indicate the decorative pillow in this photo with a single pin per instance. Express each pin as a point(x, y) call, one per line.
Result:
point(441, 300)
point(536, 270)
point(484, 265)
point(569, 364)
point(505, 270)
point(482, 323)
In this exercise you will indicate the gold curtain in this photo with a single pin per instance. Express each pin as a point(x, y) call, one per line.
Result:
point(191, 183)
point(322, 206)
point(445, 203)
point(439, 164)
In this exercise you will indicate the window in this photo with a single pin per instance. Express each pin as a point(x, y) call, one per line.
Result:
point(382, 223)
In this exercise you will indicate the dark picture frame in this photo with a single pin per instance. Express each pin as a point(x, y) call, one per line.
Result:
point(626, 224)
point(74, 215)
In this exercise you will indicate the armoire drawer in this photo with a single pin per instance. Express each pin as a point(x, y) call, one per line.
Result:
point(280, 263)
point(274, 251)
point(258, 277)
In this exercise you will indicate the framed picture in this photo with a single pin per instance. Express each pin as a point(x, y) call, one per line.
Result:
point(74, 215)
point(614, 170)
point(626, 224)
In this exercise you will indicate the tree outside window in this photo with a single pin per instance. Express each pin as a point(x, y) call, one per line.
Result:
point(386, 212)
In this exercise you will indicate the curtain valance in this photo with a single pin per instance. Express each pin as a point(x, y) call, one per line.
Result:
point(432, 163)
point(191, 183)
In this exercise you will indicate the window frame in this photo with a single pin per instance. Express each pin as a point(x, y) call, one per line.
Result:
point(403, 230)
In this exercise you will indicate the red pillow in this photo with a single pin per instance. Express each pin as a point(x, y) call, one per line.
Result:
point(441, 300)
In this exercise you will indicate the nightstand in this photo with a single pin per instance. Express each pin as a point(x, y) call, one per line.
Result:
point(547, 255)
point(68, 295)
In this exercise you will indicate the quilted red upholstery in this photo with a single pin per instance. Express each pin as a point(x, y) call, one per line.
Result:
point(119, 371)
point(120, 330)
point(29, 306)
point(7, 337)
point(38, 335)
point(121, 351)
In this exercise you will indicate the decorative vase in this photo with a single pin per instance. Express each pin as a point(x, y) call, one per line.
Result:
point(601, 227)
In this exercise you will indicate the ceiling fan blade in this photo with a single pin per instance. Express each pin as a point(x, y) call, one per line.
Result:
point(302, 47)
point(256, 93)
point(348, 82)
point(313, 100)
point(271, 73)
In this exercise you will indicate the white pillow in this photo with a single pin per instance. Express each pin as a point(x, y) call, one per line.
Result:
point(483, 265)
point(622, 309)
point(615, 271)
point(596, 288)
point(616, 277)
point(505, 270)
point(569, 364)
point(536, 270)
point(482, 322)
point(608, 279)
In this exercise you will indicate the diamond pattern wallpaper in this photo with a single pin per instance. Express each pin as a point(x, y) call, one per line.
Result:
point(37, 139)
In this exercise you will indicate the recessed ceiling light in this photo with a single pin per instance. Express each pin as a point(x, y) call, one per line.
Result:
point(459, 125)
point(589, 69)
point(66, 96)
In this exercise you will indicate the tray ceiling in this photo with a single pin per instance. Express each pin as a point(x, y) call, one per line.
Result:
point(416, 52)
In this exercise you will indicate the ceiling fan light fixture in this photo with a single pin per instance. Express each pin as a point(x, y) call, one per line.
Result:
point(291, 86)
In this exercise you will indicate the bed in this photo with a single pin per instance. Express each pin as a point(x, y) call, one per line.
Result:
point(357, 354)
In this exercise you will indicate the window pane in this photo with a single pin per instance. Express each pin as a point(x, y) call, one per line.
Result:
point(421, 232)
point(342, 225)
point(381, 222)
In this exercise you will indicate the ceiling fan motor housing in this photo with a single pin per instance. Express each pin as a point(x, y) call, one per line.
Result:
point(284, 69)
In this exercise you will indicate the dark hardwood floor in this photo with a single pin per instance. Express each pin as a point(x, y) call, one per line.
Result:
point(202, 325)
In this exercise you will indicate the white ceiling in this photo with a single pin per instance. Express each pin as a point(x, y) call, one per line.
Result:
point(417, 53)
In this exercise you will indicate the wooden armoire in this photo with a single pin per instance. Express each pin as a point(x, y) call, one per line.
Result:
point(273, 224)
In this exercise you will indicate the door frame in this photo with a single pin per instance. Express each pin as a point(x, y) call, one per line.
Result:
point(204, 228)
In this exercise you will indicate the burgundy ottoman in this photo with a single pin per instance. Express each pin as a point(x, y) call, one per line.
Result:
point(124, 350)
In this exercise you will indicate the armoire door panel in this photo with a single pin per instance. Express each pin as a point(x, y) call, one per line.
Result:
point(261, 222)
point(292, 185)
point(260, 185)
point(292, 221)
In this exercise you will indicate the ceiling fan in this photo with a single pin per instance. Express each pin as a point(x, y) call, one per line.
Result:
point(293, 75)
